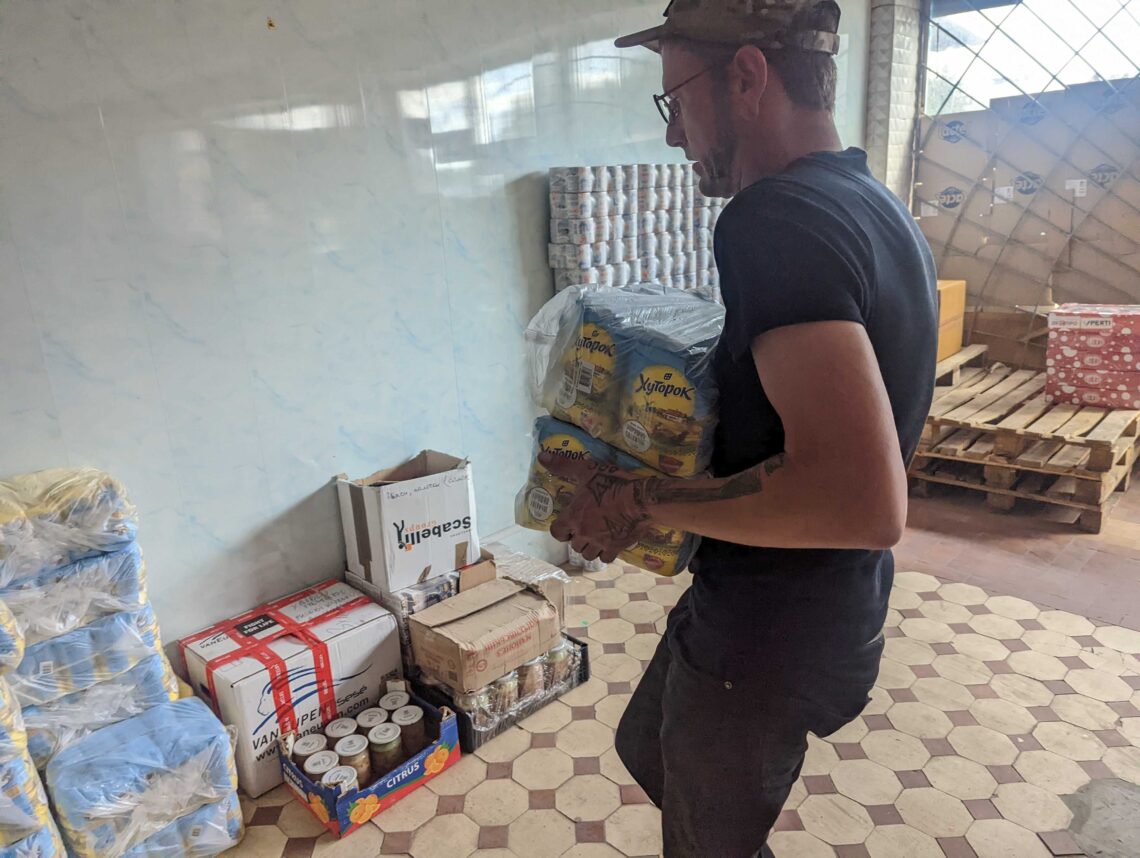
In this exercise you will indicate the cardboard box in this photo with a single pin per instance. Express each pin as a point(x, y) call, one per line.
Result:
point(343, 813)
point(1100, 398)
point(1108, 320)
point(1096, 378)
point(1115, 358)
point(411, 600)
point(951, 317)
point(291, 666)
point(543, 578)
point(474, 638)
point(405, 524)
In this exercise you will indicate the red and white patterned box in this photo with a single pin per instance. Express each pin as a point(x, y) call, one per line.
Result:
point(1093, 341)
point(1109, 319)
point(1095, 378)
point(1099, 397)
point(1108, 359)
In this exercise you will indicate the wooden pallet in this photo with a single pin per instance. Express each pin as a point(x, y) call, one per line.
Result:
point(991, 429)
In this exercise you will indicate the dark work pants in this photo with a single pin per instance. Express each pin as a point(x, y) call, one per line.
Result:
point(719, 748)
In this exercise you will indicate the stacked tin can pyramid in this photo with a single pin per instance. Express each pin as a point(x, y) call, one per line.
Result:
point(130, 769)
point(637, 223)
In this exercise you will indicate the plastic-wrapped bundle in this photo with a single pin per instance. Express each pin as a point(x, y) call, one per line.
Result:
point(11, 640)
point(62, 515)
point(207, 831)
point(633, 367)
point(13, 733)
point(23, 805)
point(55, 725)
point(661, 550)
point(77, 660)
point(120, 786)
point(45, 843)
point(58, 600)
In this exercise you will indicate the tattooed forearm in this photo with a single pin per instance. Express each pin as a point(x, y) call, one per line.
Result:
point(751, 482)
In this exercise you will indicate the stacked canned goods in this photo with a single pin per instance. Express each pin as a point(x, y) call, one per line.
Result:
point(637, 223)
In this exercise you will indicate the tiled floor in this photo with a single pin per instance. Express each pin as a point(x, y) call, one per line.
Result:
point(1030, 552)
point(987, 710)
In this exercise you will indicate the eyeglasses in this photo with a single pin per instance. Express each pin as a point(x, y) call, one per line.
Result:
point(667, 105)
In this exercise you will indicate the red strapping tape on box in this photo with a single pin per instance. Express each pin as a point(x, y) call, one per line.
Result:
point(250, 646)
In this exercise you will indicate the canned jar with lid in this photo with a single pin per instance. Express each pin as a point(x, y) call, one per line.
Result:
point(368, 719)
point(386, 748)
point(321, 762)
point(477, 705)
point(342, 775)
point(395, 700)
point(341, 727)
point(353, 751)
point(410, 720)
point(505, 693)
point(559, 659)
point(308, 745)
point(532, 678)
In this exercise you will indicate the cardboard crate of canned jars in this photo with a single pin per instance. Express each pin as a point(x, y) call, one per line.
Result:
point(476, 730)
point(343, 813)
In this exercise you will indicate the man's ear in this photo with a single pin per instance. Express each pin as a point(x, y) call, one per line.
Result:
point(749, 74)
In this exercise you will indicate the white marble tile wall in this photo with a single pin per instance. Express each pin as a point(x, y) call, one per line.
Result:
point(247, 245)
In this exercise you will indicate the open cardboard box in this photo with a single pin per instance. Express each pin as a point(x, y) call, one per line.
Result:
point(343, 813)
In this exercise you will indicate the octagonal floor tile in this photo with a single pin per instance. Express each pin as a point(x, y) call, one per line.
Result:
point(588, 797)
point(1000, 838)
point(934, 812)
point(1032, 807)
point(835, 819)
point(866, 782)
point(541, 834)
point(543, 768)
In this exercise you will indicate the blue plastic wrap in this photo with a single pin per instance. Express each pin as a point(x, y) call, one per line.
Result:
point(13, 734)
point(52, 518)
point(632, 367)
point(44, 843)
point(662, 550)
point(11, 640)
point(207, 831)
point(119, 786)
point(55, 725)
point(23, 805)
point(77, 660)
point(59, 600)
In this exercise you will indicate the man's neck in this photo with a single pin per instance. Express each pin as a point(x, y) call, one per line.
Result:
point(805, 133)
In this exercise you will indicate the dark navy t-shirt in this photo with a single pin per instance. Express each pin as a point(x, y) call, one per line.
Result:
point(823, 240)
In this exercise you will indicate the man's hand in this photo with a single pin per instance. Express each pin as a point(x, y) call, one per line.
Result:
point(609, 512)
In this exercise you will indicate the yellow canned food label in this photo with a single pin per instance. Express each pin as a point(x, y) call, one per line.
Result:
point(660, 426)
point(587, 373)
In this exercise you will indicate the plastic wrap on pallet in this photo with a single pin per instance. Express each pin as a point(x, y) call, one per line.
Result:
point(59, 600)
point(126, 783)
point(208, 831)
point(632, 367)
point(79, 659)
point(55, 725)
point(662, 550)
point(55, 517)
point(11, 640)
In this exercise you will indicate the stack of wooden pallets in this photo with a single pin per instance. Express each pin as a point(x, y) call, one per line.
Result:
point(991, 429)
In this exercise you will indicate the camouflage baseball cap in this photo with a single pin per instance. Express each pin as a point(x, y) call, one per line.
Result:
point(766, 23)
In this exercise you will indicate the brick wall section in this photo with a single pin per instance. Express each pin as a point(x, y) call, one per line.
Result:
point(892, 91)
